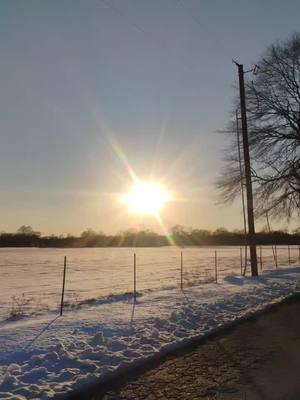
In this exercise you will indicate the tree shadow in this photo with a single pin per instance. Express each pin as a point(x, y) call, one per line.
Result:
point(263, 278)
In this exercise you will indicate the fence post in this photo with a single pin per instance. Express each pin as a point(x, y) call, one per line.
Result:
point(63, 287)
point(134, 277)
point(216, 266)
point(241, 260)
point(289, 253)
point(299, 252)
point(276, 261)
point(181, 271)
point(260, 258)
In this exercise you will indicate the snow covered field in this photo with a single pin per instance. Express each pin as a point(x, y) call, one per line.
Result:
point(31, 278)
point(42, 355)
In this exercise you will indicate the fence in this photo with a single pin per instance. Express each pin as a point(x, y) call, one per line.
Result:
point(35, 280)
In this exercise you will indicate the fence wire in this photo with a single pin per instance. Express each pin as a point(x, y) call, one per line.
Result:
point(31, 279)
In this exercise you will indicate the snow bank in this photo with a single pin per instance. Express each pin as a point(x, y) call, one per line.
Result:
point(51, 356)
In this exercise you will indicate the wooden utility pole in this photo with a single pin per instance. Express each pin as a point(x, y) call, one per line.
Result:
point(242, 187)
point(250, 212)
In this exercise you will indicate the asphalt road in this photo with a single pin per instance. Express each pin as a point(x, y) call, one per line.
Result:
point(259, 359)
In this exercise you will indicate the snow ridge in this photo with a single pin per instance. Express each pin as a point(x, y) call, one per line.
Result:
point(52, 356)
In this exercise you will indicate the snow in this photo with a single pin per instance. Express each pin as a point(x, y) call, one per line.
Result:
point(43, 355)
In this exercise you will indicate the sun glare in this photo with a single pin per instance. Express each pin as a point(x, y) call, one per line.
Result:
point(146, 198)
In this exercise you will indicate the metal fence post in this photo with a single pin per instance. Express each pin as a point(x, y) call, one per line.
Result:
point(289, 253)
point(241, 260)
point(260, 258)
point(63, 287)
point(276, 260)
point(216, 266)
point(134, 277)
point(181, 271)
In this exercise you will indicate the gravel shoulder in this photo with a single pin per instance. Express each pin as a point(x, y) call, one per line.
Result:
point(258, 359)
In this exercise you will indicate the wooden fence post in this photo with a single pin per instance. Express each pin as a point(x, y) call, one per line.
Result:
point(134, 277)
point(63, 287)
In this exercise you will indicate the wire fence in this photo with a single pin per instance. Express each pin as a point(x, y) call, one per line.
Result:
point(33, 285)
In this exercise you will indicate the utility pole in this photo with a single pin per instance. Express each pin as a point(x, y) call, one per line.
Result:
point(251, 226)
point(242, 186)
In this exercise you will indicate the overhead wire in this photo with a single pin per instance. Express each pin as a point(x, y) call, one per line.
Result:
point(154, 36)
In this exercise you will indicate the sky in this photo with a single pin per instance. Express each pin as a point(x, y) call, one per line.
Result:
point(91, 89)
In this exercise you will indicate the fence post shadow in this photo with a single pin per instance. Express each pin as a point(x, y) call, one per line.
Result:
point(132, 312)
point(186, 297)
point(41, 332)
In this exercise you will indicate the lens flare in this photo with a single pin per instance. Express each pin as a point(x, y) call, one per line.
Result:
point(146, 198)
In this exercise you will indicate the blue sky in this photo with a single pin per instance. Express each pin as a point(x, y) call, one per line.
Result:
point(156, 76)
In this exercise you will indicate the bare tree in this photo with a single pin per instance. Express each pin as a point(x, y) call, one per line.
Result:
point(273, 110)
point(28, 230)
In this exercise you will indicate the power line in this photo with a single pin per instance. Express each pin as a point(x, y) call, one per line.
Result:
point(155, 38)
point(195, 19)
point(112, 7)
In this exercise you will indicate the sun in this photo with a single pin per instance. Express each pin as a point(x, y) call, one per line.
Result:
point(146, 198)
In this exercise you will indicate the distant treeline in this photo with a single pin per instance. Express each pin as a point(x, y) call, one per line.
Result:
point(27, 237)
